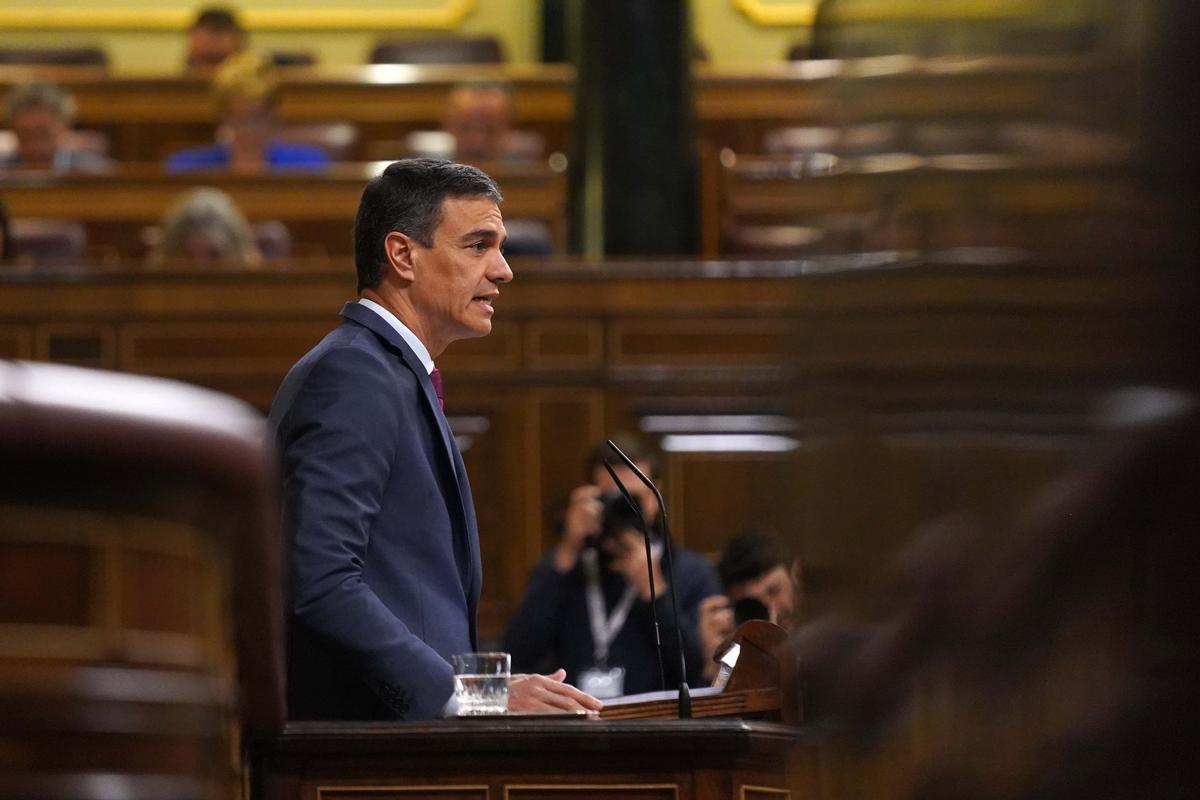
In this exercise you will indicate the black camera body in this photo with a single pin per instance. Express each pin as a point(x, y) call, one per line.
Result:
point(618, 515)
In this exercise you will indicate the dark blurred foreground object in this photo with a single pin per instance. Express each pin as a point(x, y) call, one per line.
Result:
point(440, 50)
point(54, 56)
point(139, 619)
point(1056, 657)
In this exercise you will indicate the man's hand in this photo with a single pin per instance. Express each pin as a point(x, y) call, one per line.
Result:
point(548, 694)
point(628, 551)
point(581, 521)
point(716, 626)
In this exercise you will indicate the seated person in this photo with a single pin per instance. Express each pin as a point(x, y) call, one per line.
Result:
point(247, 96)
point(761, 582)
point(40, 116)
point(587, 606)
point(476, 127)
point(215, 35)
point(205, 228)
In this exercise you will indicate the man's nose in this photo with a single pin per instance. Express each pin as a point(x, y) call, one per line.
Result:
point(500, 272)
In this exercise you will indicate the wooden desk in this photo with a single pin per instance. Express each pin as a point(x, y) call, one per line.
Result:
point(318, 208)
point(148, 116)
point(513, 759)
point(932, 202)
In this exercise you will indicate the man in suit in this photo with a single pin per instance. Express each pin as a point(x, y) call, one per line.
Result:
point(384, 554)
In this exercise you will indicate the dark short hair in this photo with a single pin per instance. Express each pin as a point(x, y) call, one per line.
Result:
point(408, 198)
point(217, 18)
point(749, 556)
point(634, 447)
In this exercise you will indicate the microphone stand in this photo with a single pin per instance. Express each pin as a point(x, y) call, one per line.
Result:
point(637, 509)
point(685, 695)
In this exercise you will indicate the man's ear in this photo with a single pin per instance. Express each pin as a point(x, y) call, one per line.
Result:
point(398, 247)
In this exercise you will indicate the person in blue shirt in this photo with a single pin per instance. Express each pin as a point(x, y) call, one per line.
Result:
point(247, 95)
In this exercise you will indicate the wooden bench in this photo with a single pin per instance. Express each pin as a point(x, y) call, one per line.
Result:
point(148, 116)
point(318, 208)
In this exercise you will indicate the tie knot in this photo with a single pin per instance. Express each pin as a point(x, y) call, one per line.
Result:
point(435, 377)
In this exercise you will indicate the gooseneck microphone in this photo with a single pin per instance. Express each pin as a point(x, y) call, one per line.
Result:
point(685, 696)
point(637, 509)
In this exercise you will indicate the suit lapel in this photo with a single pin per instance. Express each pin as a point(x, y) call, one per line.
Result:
point(469, 562)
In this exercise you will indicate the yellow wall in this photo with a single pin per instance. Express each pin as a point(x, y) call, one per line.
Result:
point(516, 22)
point(729, 34)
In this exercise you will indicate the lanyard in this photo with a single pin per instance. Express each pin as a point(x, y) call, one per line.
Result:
point(604, 628)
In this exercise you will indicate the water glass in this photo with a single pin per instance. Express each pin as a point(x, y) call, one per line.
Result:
point(481, 683)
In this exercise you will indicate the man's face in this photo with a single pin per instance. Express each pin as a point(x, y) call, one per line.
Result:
point(248, 124)
point(774, 590)
point(479, 120)
point(39, 132)
point(456, 280)
point(207, 48)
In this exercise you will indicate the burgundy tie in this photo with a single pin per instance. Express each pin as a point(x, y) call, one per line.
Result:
point(435, 378)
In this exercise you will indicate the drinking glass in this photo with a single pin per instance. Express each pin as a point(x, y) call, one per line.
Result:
point(481, 683)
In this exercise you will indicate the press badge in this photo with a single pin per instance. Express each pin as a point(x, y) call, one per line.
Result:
point(603, 684)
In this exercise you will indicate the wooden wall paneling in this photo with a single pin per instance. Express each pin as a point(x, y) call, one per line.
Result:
point(489, 426)
point(194, 350)
point(564, 344)
point(715, 496)
point(16, 341)
point(80, 344)
point(697, 341)
point(561, 425)
point(584, 791)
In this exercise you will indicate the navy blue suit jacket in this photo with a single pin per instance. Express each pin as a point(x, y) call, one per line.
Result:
point(382, 544)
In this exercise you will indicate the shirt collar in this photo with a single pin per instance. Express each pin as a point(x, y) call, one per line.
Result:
point(407, 335)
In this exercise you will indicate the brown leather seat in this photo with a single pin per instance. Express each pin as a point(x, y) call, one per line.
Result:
point(441, 50)
point(139, 588)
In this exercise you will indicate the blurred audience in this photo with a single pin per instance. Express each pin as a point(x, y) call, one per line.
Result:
point(246, 90)
point(40, 116)
point(215, 35)
point(205, 228)
point(761, 581)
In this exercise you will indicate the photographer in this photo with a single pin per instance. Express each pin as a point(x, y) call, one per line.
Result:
point(587, 606)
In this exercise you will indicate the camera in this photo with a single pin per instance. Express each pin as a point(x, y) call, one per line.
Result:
point(618, 515)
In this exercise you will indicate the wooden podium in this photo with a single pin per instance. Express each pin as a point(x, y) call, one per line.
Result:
point(762, 685)
point(638, 750)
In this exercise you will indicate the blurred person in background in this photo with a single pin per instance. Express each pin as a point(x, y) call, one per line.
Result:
point(206, 228)
point(479, 118)
point(215, 35)
point(587, 605)
point(40, 116)
point(246, 89)
point(761, 581)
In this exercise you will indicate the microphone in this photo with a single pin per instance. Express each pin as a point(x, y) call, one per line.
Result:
point(685, 696)
point(637, 509)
